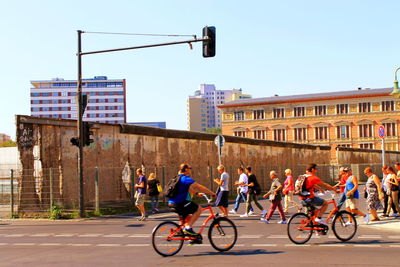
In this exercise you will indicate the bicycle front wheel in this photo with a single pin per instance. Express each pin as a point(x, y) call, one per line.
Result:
point(344, 225)
point(299, 228)
point(222, 234)
point(167, 239)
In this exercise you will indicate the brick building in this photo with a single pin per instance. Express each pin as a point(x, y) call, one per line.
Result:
point(345, 118)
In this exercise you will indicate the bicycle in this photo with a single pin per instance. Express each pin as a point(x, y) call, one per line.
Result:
point(301, 225)
point(168, 237)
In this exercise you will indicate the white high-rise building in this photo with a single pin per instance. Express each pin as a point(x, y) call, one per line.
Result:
point(202, 107)
point(56, 98)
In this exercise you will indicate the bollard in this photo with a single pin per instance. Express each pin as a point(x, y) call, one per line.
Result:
point(51, 187)
point(96, 190)
point(12, 192)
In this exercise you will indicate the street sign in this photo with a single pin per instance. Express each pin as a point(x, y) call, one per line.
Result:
point(219, 141)
point(381, 132)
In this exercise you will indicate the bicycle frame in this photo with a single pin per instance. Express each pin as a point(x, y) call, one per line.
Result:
point(330, 215)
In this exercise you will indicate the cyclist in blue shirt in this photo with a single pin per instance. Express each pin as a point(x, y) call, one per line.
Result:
point(182, 202)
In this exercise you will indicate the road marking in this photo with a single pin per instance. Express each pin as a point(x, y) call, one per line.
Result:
point(41, 234)
point(24, 244)
point(369, 236)
point(64, 235)
point(368, 245)
point(15, 235)
point(50, 244)
point(250, 236)
point(294, 245)
point(137, 245)
point(140, 235)
point(108, 245)
point(331, 245)
point(264, 245)
point(277, 236)
point(394, 237)
point(80, 245)
point(331, 236)
point(90, 235)
point(115, 235)
point(3, 244)
point(394, 246)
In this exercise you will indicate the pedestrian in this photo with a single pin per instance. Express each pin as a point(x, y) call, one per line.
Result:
point(341, 184)
point(223, 191)
point(288, 190)
point(393, 189)
point(374, 193)
point(386, 191)
point(252, 193)
point(397, 167)
point(275, 196)
point(242, 189)
point(153, 185)
point(141, 193)
point(352, 195)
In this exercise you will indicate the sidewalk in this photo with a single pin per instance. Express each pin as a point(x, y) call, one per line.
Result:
point(391, 224)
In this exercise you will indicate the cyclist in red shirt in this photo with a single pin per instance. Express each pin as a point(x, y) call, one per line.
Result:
point(313, 181)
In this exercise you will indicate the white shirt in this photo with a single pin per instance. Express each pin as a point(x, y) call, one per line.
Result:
point(243, 179)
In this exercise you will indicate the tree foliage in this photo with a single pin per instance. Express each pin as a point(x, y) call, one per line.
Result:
point(9, 143)
point(215, 130)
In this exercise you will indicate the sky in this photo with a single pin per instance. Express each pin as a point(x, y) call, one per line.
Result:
point(264, 47)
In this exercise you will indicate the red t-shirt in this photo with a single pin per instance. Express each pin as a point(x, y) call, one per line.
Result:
point(343, 180)
point(310, 182)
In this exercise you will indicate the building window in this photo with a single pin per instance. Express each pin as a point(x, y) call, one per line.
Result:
point(320, 110)
point(259, 134)
point(343, 131)
point(390, 146)
point(364, 107)
point(258, 114)
point(387, 105)
point(239, 115)
point(365, 130)
point(342, 108)
point(239, 133)
point(279, 135)
point(321, 133)
point(367, 146)
point(279, 113)
point(299, 111)
point(300, 134)
point(390, 129)
point(344, 145)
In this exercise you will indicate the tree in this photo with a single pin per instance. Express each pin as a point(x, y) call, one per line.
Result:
point(9, 143)
point(215, 130)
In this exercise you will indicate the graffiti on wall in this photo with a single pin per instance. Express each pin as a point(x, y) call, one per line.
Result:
point(25, 135)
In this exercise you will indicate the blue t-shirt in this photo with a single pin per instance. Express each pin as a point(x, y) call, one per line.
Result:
point(183, 189)
point(349, 186)
point(142, 190)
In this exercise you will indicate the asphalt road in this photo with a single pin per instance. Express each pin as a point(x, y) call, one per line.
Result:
point(124, 240)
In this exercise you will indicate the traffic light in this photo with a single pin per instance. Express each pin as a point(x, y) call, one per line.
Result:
point(209, 45)
point(87, 140)
point(75, 141)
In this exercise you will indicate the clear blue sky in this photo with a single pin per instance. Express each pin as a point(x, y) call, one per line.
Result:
point(264, 47)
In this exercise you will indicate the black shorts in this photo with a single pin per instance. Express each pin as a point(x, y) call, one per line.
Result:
point(222, 199)
point(184, 208)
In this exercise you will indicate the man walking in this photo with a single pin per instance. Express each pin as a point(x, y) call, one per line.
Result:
point(275, 196)
point(241, 190)
point(252, 193)
point(223, 191)
point(141, 193)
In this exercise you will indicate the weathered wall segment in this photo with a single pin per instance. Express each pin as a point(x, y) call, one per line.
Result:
point(119, 146)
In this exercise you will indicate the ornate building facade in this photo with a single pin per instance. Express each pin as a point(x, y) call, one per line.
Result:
point(346, 118)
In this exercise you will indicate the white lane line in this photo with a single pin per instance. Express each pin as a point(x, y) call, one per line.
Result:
point(294, 245)
point(263, 245)
point(24, 244)
point(80, 245)
point(15, 235)
point(115, 235)
point(250, 236)
point(368, 245)
point(50, 244)
point(394, 237)
point(369, 236)
point(64, 235)
point(394, 246)
point(277, 236)
point(137, 245)
point(40, 235)
point(108, 245)
point(140, 235)
point(90, 235)
point(3, 244)
point(331, 245)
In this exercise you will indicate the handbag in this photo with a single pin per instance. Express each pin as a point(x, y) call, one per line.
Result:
point(159, 188)
point(365, 194)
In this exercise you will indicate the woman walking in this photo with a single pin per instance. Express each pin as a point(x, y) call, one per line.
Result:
point(375, 193)
point(288, 190)
point(393, 188)
point(152, 186)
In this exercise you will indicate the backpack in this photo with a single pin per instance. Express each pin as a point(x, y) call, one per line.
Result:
point(172, 187)
point(300, 186)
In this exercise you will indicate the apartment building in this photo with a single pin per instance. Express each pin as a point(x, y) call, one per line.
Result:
point(202, 110)
point(56, 98)
point(345, 118)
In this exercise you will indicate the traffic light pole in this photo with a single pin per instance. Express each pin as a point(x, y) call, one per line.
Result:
point(81, 105)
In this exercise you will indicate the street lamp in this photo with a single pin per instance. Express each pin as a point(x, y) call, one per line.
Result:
point(396, 92)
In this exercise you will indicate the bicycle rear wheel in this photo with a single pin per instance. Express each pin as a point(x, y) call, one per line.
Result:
point(222, 234)
point(344, 225)
point(167, 239)
point(299, 228)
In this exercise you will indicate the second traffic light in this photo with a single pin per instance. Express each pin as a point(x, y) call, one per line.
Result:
point(209, 46)
point(87, 132)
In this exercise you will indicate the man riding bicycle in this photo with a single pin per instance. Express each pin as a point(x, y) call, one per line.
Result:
point(312, 182)
point(182, 202)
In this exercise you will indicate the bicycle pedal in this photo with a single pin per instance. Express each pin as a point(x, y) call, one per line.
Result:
point(195, 241)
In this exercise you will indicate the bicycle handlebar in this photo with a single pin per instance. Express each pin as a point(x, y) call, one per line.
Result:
point(206, 197)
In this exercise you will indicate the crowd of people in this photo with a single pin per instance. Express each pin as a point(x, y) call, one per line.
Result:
point(380, 194)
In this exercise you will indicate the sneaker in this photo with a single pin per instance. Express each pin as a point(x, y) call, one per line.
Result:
point(394, 215)
point(282, 222)
point(232, 211)
point(244, 215)
point(264, 220)
point(348, 223)
point(263, 213)
point(251, 212)
point(189, 231)
point(366, 218)
point(320, 221)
